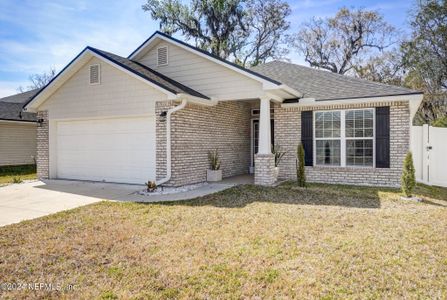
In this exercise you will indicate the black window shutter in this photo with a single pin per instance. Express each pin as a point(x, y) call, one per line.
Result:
point(383, 137)
point(307, 136)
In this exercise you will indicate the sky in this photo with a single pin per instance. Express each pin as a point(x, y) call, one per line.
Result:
point(38, 35)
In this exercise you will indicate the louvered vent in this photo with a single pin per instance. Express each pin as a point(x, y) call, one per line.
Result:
point(94, 74)
point(162, 56)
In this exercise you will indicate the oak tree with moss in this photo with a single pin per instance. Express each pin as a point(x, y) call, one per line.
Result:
point(248, 32)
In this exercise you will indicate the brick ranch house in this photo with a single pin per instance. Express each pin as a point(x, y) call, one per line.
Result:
point(155, 115)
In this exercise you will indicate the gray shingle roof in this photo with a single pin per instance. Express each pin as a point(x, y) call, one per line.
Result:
point(11, 107)
point(324, 85)
point(149, 74)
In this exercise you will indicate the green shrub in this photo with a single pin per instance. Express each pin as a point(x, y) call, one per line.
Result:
point(17, 179)
point(441, 122)
point(213, 157)
point(151, 186)
point(17, 170)
point(408, 180)
point(300, 170)
point(276, 150)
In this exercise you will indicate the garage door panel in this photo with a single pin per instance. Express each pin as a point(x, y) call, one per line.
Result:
point(113, 150)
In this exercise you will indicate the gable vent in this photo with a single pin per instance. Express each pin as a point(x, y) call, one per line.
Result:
point(162, 56)
point(94, 74)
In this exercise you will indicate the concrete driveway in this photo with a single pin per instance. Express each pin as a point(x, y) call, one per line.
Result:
point(31, 200)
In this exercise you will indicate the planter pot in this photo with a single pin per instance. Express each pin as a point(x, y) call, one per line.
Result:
point(213, 175)
point(276, 172)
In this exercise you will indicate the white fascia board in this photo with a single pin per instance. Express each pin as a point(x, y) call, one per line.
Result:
point(196, 100)
point(284, 91)
point(265, 83)
point(19, 122)
point(273, 97)
point(291, 91)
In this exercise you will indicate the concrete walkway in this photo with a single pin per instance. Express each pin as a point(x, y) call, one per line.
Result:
point(31, 200)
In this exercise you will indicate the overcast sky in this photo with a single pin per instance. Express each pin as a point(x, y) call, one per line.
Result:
point(37, 35)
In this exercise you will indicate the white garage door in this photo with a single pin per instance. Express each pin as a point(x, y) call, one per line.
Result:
point(111, 150)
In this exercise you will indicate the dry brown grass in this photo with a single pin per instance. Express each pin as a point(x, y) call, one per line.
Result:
point(247, 242)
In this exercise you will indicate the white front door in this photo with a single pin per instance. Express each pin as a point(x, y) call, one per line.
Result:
point(111, 150)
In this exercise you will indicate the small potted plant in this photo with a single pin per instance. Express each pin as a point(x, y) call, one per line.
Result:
point(151, 186)
point(214, 173)
point(276, 150)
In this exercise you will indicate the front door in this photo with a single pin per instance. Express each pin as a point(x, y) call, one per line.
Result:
point(255, 138)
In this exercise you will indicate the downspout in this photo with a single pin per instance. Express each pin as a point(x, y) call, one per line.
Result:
point(168, 141)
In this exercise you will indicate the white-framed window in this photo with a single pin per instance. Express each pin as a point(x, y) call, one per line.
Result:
point(344, 138)
point(162, 56)
point(95, 74)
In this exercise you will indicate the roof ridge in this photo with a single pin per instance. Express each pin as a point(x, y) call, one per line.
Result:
point(329, 73)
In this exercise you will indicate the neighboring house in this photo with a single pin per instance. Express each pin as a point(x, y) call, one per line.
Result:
point(156, 114)
point(17, 131)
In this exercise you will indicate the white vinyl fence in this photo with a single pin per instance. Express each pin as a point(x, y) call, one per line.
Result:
point(429, 147)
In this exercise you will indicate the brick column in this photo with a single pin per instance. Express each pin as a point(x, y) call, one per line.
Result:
point(265, 169)
point(42, 159)
point(264, 159)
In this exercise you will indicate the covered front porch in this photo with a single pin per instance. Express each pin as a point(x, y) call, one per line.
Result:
point(241, 130)
point(262, 127)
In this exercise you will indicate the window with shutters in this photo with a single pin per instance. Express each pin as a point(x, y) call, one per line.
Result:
point(344, 138)
point(95, 74)
point(162, 56)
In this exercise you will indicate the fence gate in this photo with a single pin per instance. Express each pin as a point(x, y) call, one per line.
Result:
point(429, 147)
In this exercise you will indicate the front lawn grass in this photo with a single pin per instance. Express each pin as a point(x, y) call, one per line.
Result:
point(10, 174)
point(329, 242)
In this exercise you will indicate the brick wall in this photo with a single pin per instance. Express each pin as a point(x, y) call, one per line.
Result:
point(265, 169)
point(197, 129)
point(42, 158)
point(288, 135)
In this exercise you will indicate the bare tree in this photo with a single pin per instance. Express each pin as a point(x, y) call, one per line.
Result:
point(38, 80)
point(266, 27)
point(339, 43)
point(385, 68)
